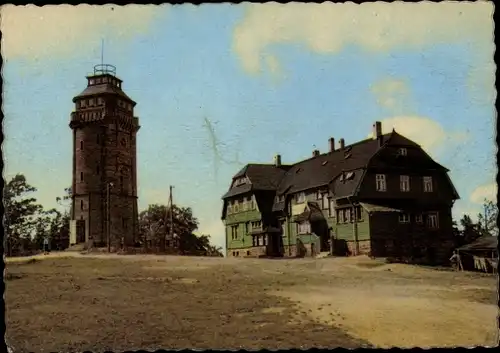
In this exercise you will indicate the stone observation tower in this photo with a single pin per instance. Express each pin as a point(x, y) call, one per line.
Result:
point(104, 187)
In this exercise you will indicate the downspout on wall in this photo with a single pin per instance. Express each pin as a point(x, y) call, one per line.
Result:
point(354, 225)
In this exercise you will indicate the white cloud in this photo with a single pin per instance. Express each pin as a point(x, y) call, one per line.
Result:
point(377, 26)
point(392, 94)
point(34, 32)
point(214, 228)
point(488, 191)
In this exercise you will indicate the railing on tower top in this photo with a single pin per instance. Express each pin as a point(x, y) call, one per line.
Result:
point(102, 69)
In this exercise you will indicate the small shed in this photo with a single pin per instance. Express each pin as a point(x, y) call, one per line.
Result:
point(480, 255)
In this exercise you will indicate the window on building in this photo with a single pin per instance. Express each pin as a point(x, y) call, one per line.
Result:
point(325, 201)
point(301, 197)
point(331, 210)
point(347, 217)
point(229, 209)
point(404, 218)
point(380, 182)
point(236, 206)
point(404, 183)
point(247, 227)
point(248, 253)
point(81, 145)
point(237, 253)
point(83, 103)
point(256, 225)
point(318, 195)
point(253, 204)
point(340, 216)
point(427, 184)
point(100, 101)
point(91, 102)
point(304, 228)
point(130, 107)
point(92, 81)
point(432, 220)
point(403, 152)
point(234, 232)
point(81, 205)
point(81, 176)
point(359, 213)
point(419, 218)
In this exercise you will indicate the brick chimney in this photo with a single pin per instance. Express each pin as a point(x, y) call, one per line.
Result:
point(377, 132)
point(315, 153)
point(277, 160)
point(331, 142)
point(341, 143)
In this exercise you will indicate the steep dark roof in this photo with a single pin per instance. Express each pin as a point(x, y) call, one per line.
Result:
point(319, 171)
point(103, 88)
point(482, 243)
point(263, 177)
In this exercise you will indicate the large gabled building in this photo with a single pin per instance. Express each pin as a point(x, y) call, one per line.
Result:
point(382, 196)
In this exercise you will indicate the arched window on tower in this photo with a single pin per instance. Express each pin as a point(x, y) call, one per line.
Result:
point(81, 145)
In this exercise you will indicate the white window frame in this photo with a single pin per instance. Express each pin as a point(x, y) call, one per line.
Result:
point(419, 218)
point(404, 183)
point(380, 182)
point(331, 208)
point(433, 220)
point(404, 218)
point(325, 202)
point(245, 205)
point(236, 206)
point(229, 209)
point(348, 215)
point(427, 180)
point(304, 228)
point(403, 151)
point(234, 232)
point(301, 197)
point(340, 216)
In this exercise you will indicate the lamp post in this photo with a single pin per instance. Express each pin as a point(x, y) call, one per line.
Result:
point(108, 215)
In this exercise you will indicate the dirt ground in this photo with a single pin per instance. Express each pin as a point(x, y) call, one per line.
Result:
point(113, 302)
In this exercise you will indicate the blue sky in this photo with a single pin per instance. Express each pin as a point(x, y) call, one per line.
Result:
point(269, 79)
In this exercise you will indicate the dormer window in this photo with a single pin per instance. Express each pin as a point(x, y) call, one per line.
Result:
point(91, 81)
point(402, 152)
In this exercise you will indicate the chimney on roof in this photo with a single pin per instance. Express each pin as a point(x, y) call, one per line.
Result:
point(341, 143)
point(377, 132)
point(277, 160)
point(331, 141)
point(315, 153)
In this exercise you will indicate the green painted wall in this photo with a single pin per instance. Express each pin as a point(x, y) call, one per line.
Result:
point(244, 240)
point(346, 230)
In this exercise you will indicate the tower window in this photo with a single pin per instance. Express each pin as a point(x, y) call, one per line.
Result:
point(81, 204)
point(100, 101)
point(81, 145)
point(104, 79)
point(81, 176)
point(82, 103)
point(98, 80)
point(91, 102)
point(92, 81)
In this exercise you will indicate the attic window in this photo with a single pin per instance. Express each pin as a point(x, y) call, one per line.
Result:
point(298, 170)
point(349, 176)
point(324, 163)
point(402, 152)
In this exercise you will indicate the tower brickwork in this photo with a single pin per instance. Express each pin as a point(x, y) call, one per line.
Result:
point(104, 161)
